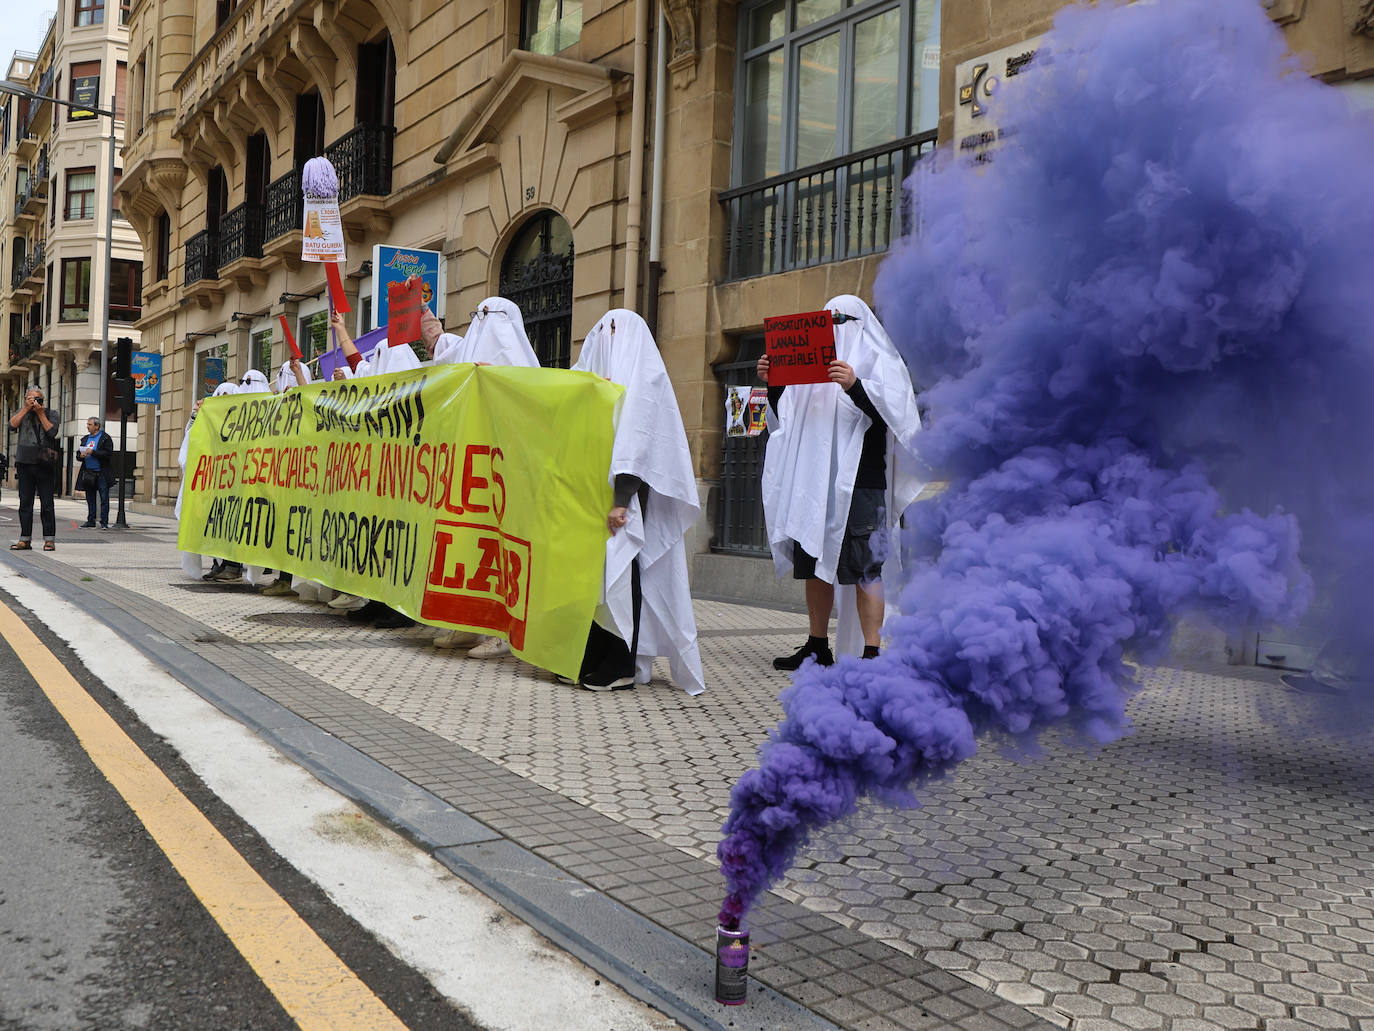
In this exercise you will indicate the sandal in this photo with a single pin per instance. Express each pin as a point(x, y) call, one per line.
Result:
point(49, 546)
point(21, 546)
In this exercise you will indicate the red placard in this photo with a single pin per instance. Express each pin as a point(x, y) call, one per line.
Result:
point(800, 348)
point(404, 301)
point(290, 338)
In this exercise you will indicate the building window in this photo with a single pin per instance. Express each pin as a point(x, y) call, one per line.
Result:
point(126, 290)
point(89, 12)
point(124, 6)
point(76, 290)
point(52, 202)
point(47, 295)
point(309, 140)
point(164, 245)
point(85, 89)
point(819, 79)
point(261, 353)
point(537, 274)
point(80, 201)
point(313, 335)
point(114, 195)
point(548, 26)
point(224, 8)
point(121, 90)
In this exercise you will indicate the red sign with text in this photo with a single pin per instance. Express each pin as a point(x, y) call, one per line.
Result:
point(404, 301)
point(478, 577)
point(800, 348)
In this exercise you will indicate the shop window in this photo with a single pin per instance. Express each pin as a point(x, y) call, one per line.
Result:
point(80, 199)
point(548, 26)
point(76, 290)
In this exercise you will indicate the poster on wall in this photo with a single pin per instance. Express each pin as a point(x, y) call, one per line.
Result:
point(85, 90)
point(212, 375)
point(396, 265)
point(145, 369)
point(746, 410)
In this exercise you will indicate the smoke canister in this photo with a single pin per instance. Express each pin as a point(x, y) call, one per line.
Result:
point(732, 965)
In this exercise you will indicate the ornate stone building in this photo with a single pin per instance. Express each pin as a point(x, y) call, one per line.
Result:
point(706, 163)
point(54, 212)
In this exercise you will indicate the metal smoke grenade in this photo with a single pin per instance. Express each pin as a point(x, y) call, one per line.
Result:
point(732, 965)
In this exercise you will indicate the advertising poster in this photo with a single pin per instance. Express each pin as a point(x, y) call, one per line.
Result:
point(746, 410)
point(145, 369)
point(212, 375)
point(396, 265)
point(85, 90)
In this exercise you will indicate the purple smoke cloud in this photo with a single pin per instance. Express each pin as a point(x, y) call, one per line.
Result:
point(1145, 322)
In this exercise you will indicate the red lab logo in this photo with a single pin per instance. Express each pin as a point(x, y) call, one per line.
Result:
point(478, 577)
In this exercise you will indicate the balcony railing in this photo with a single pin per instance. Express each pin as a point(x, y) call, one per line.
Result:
point(202, 257)
point(25, 344)
point(240, 233)
point(832, 211)
point(32, 263)
point(362, 157)
point(285, 205)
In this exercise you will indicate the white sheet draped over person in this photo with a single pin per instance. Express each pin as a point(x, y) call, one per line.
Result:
point(255, 382)
point(190, 561)
point(495, 337)
point(288, 378)
point(812, 461)
point(651, 445)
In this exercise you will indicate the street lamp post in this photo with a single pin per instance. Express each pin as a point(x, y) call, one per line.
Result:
point(18, 90)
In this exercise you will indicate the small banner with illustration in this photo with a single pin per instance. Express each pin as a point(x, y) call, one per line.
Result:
point(746, 409)
point(322, 236)
point(463, 496)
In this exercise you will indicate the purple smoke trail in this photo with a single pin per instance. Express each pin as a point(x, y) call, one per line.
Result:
point(1149, 313)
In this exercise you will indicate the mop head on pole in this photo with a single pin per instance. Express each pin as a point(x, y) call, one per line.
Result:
point(319, 181)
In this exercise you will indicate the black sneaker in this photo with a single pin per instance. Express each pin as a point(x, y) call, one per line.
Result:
point(604, 679)
point(823, 655)
point(369, 613)
point(215, 567)
point(88, 526)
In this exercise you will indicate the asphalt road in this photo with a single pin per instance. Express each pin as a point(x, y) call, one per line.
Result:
point(97, 930)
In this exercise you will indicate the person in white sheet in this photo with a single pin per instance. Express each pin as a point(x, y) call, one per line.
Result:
point(646, 603)
point(293, 373)
point(839, 471)
point(496, 337)
point(253, 382)
point(190, 561)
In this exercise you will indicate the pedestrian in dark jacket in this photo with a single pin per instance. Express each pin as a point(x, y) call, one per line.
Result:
point(96, 451)
point(35, 462)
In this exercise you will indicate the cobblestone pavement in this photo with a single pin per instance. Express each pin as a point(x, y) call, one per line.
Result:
point(1210, 871)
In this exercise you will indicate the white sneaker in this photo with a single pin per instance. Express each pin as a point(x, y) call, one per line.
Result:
point(347, 602)
point(457, 639)
point(490, 648)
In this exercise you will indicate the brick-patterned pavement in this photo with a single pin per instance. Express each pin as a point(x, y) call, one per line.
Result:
point(1210, 871)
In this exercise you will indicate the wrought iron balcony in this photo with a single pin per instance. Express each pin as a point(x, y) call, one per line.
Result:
point(832, 211)
point(362, 157)
point(32, 342)
point(240, 233)
point(285, 205)
point(202, 257)
point(32, 263)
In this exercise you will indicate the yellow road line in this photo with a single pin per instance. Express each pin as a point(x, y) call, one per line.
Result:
point(313, 985)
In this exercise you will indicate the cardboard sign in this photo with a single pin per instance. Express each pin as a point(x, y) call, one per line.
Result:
point(800, 348)
point(403, 305)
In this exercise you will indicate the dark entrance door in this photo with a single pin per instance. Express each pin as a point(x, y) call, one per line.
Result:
point(537, 274)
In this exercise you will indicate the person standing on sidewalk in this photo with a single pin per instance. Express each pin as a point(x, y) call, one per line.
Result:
point(839, 471)
point(96, 449)
point(35, 461)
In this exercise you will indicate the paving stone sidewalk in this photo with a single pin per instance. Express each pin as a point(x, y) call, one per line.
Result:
point(1210, 871)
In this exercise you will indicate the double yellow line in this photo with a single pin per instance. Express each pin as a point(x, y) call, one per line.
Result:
point(312, 984)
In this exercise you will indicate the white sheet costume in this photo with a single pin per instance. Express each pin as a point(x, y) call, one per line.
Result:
point(650, 443)
point(387, 359)
point(254, 382)
point(813, 455)
point(496, 336)
point(286, 379)
point(190, 561)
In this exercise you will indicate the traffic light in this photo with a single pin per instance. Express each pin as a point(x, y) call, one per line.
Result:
point(124, 347)
point(126, 396)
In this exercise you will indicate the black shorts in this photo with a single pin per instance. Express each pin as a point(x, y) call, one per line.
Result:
point(857, 564)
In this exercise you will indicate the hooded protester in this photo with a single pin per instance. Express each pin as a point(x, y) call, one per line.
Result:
point(254, 382)
point(647, 605)
point(839, 471)
point(190, 562)
point(496, 337)
point(293, 373)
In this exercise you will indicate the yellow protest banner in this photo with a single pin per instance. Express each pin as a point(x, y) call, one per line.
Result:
point(464, 496)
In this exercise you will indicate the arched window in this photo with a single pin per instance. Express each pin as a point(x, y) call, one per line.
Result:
point(537, 274)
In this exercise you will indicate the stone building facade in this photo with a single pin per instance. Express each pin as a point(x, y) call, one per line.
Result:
point(706, 163)
point(54, 212)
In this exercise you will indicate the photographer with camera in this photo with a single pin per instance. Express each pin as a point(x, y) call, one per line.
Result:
point(35, 461)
